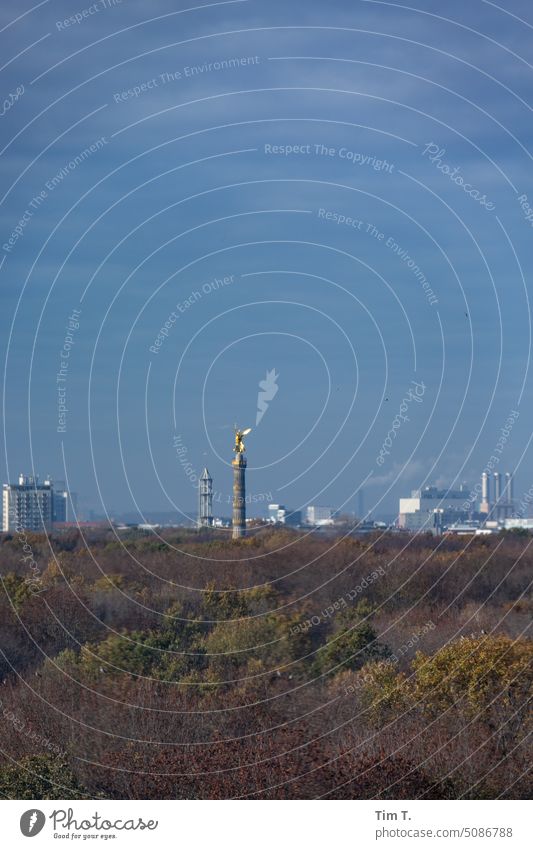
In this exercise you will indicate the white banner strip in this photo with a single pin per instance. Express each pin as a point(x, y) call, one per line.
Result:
point(264, 824)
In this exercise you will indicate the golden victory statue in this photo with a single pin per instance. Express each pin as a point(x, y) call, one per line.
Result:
point(239, 444)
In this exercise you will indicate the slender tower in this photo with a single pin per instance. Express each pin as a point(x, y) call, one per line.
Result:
point(239, 484)
point(509, 488)
point(485, 493)
point(508, 497)
point(497, 488)
point(205, 500)
point(496, 510)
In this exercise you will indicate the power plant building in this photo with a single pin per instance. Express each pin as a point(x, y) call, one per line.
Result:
point(316, 515)
point(497, 503)
point(432, 508)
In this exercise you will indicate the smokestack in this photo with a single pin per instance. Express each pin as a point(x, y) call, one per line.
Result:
point(484, 507)
point(497, 487)
point(509, 494)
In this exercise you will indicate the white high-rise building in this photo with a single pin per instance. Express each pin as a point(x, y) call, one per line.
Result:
point(28, 505)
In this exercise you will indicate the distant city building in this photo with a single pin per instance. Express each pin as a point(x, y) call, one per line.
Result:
point(464, 528)
point(368, 526)
point(36, 506)
point(59, 506)
point(205, 496)
point(64, 503)
point(316, 515)
point(518, 524)
point(27, 505)
point(432, 509)
point(278, 514)
point(220, 522)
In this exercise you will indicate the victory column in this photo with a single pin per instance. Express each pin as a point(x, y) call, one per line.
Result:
point(239, 484)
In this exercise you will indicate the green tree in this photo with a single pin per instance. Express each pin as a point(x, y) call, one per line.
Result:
point(384, 691)
point(17, 589)
point(353, 645)
point(231, 646)
point(487, 677)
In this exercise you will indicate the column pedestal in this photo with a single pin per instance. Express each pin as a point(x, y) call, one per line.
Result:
point(239, 496)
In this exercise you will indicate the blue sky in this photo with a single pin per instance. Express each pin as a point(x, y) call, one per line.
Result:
point(178, 166)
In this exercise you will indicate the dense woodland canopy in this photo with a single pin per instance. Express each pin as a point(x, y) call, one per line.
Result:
point(282, 666)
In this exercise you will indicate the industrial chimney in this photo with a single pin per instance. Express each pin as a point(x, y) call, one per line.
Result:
point(497, 487)
point(484, 507)
point(509, 494)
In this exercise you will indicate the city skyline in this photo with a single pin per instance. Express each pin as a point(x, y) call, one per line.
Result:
point(488, 503)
